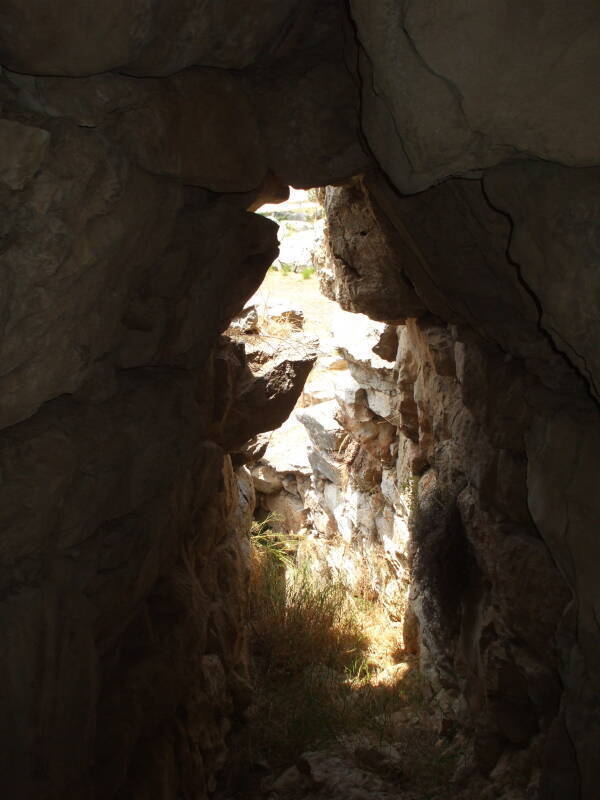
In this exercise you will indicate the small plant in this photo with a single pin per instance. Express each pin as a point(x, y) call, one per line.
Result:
point(359, 668)
point(285, 267)
point(307, 273)
point(316, 671)
point(273, 545)
point(309, 650)
point(300, 622)
point(409, 489)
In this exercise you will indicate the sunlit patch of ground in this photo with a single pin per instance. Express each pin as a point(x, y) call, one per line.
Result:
point(280, 289)
point(328, 681)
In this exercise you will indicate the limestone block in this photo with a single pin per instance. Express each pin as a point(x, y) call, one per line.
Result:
point(352, 397)
point(321, 509)
point(265, 479)
point(324, 430)
point(356, 513)
point(325, 465)
point(72, 268)
point(245, 501)
point(263, 401)
point(284, 313)
point(288, 509)
point(389, 488)
point(308, 115)
point(332, 496)
point(356, 335)
point(375, 435)
point(152, 38)
point(49, 644)
point(566, 514)
point(363, 257)
point(151, 119)
point(561, 272)
point(287, 452)
point(316, 393)
point(387, 346)
point(434, 105)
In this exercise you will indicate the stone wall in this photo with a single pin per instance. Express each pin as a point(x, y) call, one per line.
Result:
point(330, 477)
point(126, 249)
point(491, 415)
point(133, 136)
point(403, 474)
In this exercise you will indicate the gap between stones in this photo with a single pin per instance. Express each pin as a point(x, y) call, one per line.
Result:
point(340, 706)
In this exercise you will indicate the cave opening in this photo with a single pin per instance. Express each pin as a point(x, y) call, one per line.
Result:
point(346, 508)
point(333, 639)
point(137, 140)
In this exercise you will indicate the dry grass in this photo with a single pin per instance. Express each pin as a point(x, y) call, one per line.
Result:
point(292, 288)
point(324, 672)
point(278, 328)
point(313, 671)
point(296, 621)
point(274, 337)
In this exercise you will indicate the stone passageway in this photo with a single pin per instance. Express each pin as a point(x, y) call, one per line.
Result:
point(458, 142)
point(358, 487)
point(332, 513)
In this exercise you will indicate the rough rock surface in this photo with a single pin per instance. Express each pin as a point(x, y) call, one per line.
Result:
point(453, 87)
point(126, 250)
point(347, 500)
point(486, 402)
point(361, 256)
point(139, 37)
point(246, 321)
point(431, 500)
point(259, 400)
point(134, 136)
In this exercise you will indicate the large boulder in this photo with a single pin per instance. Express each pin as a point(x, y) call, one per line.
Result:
point(323, 428)
point(73, 38)
point(453, 87)
point(362, 256)
point(151, 120)
point(263, 400)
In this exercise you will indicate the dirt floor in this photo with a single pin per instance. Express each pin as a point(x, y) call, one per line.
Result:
point(303, 293)
point(279, 287)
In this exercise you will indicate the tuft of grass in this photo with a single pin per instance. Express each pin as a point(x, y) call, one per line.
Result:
point(307, 273)
point(271, 547)
point(315, 679)
point(312, 671)
point(275, 335)
point(297, 621)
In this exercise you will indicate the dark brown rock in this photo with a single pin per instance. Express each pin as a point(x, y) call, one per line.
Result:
point(23, 150)
point(198, 125)
point(308, 119)
point(449, 88)
point(554, 213)
point(125, 249)
point(76, 238)
point(262, 400)
point(151, 39)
